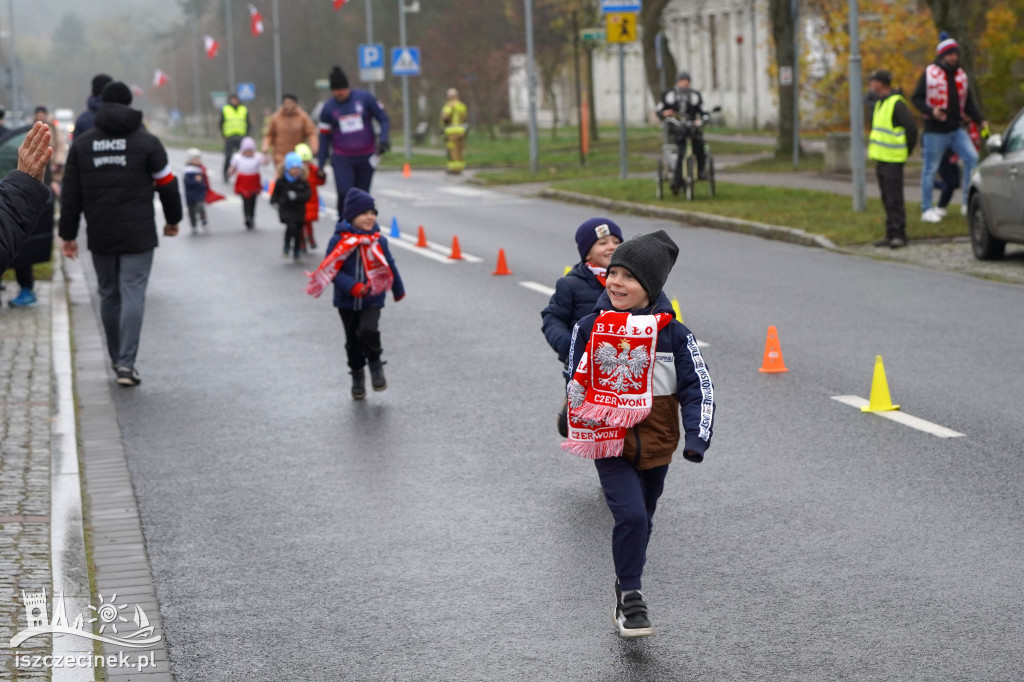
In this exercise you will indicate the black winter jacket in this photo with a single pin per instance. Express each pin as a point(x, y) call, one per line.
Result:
point(574, 298)
point(290, 199)
point(110, 176)
point(22, 199)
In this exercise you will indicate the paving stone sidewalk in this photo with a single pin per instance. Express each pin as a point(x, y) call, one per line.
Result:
point(25, 412)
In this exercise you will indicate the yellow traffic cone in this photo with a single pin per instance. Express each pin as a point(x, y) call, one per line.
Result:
point(880, 400)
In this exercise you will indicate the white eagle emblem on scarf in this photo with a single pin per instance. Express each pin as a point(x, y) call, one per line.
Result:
point(623, 367)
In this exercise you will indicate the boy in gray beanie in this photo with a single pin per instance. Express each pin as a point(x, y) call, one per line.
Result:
point(634, 480)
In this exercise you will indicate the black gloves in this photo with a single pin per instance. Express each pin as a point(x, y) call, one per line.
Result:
point(382, 146)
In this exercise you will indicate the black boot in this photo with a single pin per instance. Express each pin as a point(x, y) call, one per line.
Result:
point(377, 379)
point(358, 384)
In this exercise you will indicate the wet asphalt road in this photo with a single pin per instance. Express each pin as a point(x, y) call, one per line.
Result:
point(435, 531)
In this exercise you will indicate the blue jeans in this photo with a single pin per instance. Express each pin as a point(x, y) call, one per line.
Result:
point(351, 171)
point(934, 146)
point(122, 287)
point(632, 497)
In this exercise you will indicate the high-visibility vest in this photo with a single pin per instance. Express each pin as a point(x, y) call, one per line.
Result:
point(887, 143)
point(455, 113)
point(235, 120)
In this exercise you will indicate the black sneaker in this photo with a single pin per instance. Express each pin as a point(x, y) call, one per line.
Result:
point(377, 379)
point(631, 614)
point(127, 376)
point(358, 384)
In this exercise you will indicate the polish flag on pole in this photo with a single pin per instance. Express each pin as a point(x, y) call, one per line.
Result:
point(160, 78)
point(211, 46)
point(256, 21)
point(338, 3)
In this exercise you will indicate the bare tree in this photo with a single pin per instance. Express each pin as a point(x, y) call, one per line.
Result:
point(782, 34)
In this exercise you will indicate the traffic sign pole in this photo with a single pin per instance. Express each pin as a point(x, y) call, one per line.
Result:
point(405, 84)
point(369, 37)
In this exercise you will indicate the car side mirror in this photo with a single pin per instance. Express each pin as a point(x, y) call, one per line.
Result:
point(994, 144)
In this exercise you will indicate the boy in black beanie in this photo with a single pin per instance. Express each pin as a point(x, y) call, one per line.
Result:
point(677, 381)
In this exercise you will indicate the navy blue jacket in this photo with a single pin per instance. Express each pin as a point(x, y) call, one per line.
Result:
point(87, 119)
point(693, 388)
point(195, 186)
point(352, 272)
point(574, 298)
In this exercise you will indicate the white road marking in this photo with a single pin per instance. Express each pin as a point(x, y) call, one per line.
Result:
point(427, 253)
point(901, 417)
point(549, 291)
point(443, 250)
point(539, 288)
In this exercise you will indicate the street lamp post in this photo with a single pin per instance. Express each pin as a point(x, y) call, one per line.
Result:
point(531, 79)
point(402, 10)
point(277, 55)
point(369, 36)
point(231, 46)
point(856, 112)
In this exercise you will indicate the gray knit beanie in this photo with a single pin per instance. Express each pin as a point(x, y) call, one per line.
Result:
point(650, 258)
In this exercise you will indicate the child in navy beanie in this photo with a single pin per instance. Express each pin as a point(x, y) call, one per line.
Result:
point(360, 265)
point(577, 292)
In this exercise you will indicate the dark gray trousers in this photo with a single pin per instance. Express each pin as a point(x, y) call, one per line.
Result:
point(122, 288)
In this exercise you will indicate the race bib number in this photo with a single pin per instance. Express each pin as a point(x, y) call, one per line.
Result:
point(353, 123)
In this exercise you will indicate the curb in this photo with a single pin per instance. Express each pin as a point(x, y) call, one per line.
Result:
point(763, 230)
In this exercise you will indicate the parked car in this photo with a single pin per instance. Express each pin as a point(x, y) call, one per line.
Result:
point(995, 202)
point(65, 119)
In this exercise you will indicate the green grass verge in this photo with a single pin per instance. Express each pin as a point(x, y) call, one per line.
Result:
point(824, 213)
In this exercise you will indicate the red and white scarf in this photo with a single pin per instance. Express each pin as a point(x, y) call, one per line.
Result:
point(937, 87)
point(613, 387)
point(600, 273)
point(375, 265)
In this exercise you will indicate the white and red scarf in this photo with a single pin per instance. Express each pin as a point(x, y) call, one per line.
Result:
point(937, 88)
point(375, 265)
point(600, 273)
point(613, 387)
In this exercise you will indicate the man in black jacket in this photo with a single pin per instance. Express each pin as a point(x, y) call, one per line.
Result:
point(110, 176)
point(87, 118)
point(23, 194)
point(687, 104)
point(946, 102)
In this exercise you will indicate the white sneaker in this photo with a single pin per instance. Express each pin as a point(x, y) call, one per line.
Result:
point(940, 211)
point(963, 209)
point(931, 216)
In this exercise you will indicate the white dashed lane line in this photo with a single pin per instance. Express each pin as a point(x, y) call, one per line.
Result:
point(901, 417)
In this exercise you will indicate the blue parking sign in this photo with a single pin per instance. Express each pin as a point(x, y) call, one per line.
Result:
point(371, 56)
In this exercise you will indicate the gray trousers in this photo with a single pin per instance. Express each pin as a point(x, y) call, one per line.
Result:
point(122, 287)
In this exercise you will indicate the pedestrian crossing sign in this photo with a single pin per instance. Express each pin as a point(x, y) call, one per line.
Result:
point(621, 27)
point(405, 61)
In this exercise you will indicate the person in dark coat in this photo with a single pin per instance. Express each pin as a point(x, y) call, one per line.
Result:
point(23, 195)
point(111, 174)
point(87, 119)
point(577, 292)
point(291, 192)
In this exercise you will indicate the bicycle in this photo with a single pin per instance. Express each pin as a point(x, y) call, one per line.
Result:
point(676, 131)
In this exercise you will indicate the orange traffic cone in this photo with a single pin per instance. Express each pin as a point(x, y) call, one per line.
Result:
point(406, 171)
point(456, 253)
point(502, 267)
point(773, 353)
point(422, 240)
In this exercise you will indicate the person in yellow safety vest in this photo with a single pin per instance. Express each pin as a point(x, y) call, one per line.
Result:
point(893, 136)
point(454, 117)
point(234, 125)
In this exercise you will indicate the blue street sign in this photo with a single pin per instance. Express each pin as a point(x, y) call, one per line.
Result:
point(405, 61)
point(371, 56)
point(620, 6)
point(246, 92)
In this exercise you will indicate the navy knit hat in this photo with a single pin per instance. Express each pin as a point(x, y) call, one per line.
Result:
point(589, 232)
point(649, 257)
point(356, 201)
point(117, 92)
